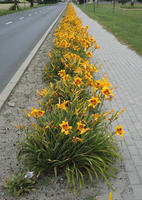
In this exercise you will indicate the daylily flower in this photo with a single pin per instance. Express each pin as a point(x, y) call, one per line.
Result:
point(121, 111)
point(75, 139)
point(65, 127)
point(80, 126)
point(119, 131)
point(89, 54)
point(78, 81)
point(96, 116)
point(78, 70)
point(94, 101)
point(107, 92)
point(36, 113)
point(43, 92)
point(63, 105)
point(62, 73)
point(108, 113)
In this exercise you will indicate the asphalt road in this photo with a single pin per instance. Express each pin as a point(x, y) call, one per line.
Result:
point(19, 33)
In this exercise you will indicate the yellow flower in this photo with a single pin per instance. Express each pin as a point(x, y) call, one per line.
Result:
point(63, 105)
point(43, 92)
point(76, 111)
point(89, 54)
point(78, 81)
point(33, 113)
point(106, 83)
point(66, 77)
point(36, 113)
point(119, 131)
point(40, 112)
point(94, 101)
point(65, 127)
point(20, 126)
point(107, 92)
point(110, 196)
point(98, 84)
point(75, 139)
point(76, 48)
point(121, 111)
point(96, 46)
point(88, 76)
point(86, 27)
point(84, 130)
point(96, 116)
point(71, 37)
point(78, 70)
point(108, 113)
point(80, 126)
point(64, 44)
point(62, 73)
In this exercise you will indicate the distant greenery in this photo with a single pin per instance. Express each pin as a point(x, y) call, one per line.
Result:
point(136, 6)
point(124, 24)
point(10, 11)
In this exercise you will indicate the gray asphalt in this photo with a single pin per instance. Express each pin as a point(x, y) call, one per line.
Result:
point(19, 33)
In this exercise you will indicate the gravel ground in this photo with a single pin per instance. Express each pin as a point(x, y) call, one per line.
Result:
point(24, 97)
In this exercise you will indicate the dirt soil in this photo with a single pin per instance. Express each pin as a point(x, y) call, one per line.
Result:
point(22, 98)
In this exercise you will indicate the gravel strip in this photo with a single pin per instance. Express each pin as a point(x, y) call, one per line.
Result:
point(22, 98)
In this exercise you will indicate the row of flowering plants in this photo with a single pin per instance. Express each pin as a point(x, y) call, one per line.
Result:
point(70, 132)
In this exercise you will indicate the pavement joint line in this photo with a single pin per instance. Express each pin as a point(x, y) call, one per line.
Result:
point(15, 79)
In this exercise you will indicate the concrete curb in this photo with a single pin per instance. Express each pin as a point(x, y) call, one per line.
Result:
point(15, 79)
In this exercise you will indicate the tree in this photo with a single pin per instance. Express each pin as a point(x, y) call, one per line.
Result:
point(32, 3)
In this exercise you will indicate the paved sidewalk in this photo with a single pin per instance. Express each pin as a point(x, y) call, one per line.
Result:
point(124, 69)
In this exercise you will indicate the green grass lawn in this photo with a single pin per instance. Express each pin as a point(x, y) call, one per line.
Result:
point(126, 25)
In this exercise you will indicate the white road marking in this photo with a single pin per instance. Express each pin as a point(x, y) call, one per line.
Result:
point(35, 12)
point(10, 22)
point(30, 15)
point(21, 18)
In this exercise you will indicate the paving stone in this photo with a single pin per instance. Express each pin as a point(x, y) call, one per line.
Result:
point(129, 165)
point(138, 144)
point(133, 150)
point(129, 141)
point(133, 177)
point(137, 159)
point(137, 192)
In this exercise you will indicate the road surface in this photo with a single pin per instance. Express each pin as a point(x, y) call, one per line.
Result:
point(19, 33)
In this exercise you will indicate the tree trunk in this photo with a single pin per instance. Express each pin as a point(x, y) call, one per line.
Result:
point(32, 3)
point(15, 4)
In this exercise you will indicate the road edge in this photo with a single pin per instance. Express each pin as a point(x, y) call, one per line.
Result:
point(17, 76)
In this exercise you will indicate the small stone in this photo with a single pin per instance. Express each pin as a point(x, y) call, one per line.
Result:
point(29, 175)
point(10, 104)
point(2, 130)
